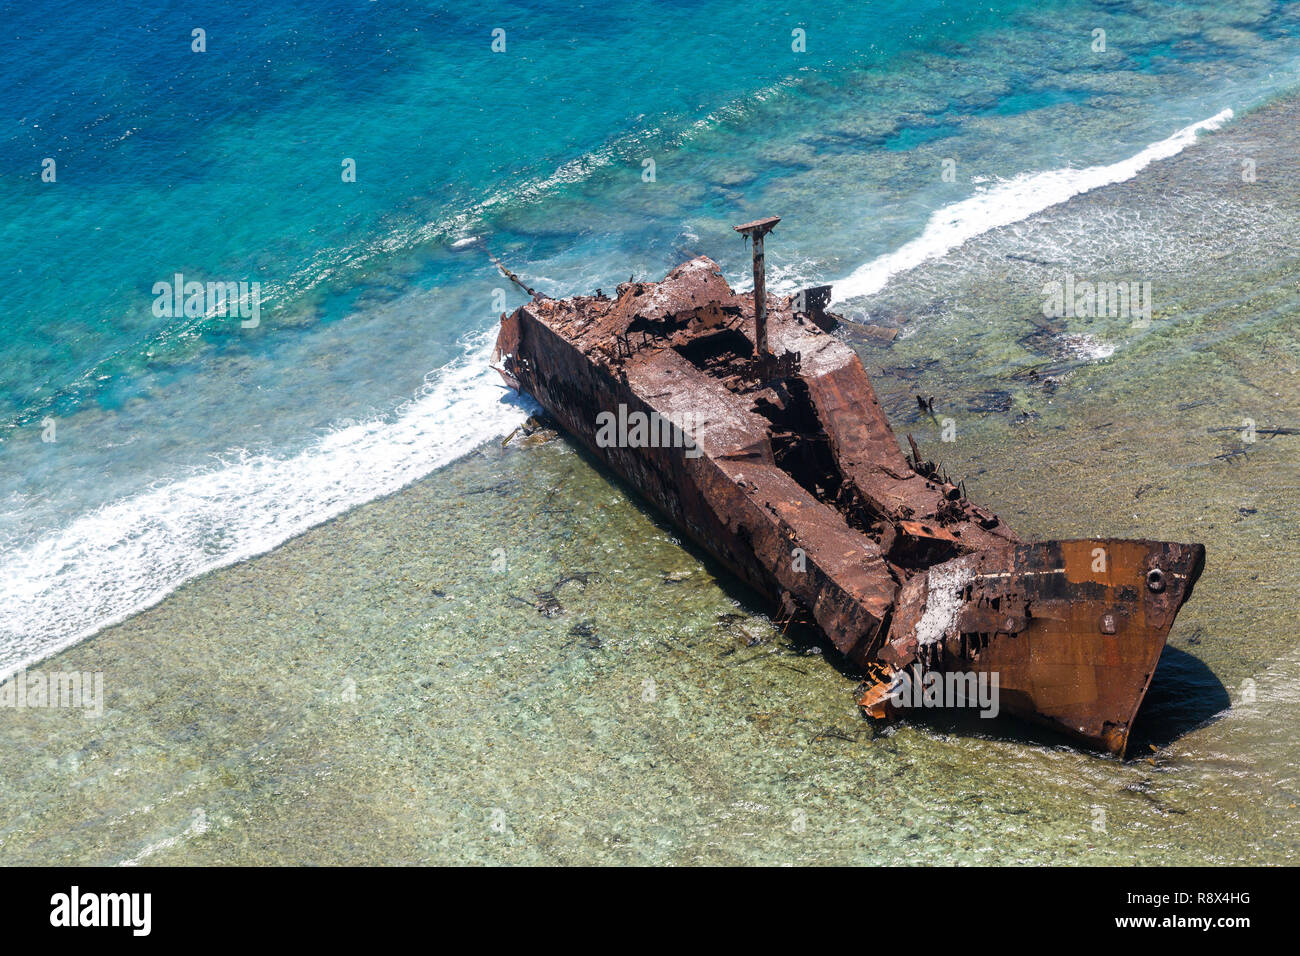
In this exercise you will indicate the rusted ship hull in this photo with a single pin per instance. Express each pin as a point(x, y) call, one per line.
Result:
point(766, 445)
point(1072, 629)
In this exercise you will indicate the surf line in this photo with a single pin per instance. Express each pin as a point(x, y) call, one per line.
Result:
point(127, 555)
point(1009, 201)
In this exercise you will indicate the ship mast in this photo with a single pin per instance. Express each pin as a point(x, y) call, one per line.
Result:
point(756, 230)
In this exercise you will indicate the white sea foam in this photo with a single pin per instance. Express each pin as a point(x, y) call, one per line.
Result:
point(107, 564)
point(1006, 202)
point(1084, 346)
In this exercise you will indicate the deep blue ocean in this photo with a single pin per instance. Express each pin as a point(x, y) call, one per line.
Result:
point(138, 450)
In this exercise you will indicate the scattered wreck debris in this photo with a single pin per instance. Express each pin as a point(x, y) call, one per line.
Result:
point(586, 631)
point(546, 602)
point(799, 487)
point(534, 430)
point(1265, 430)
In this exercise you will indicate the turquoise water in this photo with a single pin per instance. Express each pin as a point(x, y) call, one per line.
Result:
point(185, 444)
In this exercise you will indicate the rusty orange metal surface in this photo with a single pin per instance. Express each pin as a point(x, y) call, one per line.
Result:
point(795, 482)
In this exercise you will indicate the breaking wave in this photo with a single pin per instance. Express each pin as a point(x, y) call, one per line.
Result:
point(1006, 202)
point(121, 558)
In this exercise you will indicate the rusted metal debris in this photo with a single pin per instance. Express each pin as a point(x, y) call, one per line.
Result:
point(793, 479)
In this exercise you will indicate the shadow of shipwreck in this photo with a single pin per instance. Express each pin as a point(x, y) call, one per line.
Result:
point(1183, 696)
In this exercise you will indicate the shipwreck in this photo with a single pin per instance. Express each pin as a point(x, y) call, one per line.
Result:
point(791, 477)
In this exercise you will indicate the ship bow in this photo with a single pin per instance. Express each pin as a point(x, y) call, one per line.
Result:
point(1073, 630)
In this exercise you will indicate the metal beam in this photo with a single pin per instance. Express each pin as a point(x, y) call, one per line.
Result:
point(756, 230)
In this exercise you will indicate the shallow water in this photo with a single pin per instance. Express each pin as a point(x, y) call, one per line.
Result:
point(382, 688)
